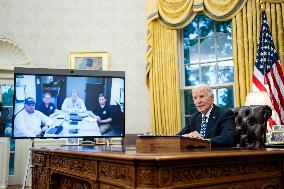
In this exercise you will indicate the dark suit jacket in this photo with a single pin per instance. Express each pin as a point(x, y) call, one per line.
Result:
point(220, 126)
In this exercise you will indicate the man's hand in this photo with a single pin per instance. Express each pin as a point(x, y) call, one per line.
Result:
point(98, 119)
point(193, 134)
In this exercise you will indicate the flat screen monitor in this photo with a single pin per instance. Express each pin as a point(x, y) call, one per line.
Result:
point(62, 103)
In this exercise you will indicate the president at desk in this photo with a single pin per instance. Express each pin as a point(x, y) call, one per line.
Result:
point(210, 121)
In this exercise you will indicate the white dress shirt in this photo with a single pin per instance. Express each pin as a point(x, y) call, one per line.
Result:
point(29, 124)
point(70, 106)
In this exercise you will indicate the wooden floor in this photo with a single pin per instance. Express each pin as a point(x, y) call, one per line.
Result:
point(18, 187)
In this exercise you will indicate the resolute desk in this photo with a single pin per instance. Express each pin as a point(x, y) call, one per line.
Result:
point(116, 167)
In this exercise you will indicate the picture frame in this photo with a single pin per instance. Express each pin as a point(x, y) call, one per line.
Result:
point(100, 141)
point(276, 137)
point(103, 141)
point(278, 128)
point(72, 141)
point(89, 60)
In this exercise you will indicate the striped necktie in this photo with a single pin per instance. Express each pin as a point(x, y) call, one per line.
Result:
point(203, 126)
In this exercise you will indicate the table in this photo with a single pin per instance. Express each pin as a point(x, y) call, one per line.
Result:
point(116, 167)
point(87, 127)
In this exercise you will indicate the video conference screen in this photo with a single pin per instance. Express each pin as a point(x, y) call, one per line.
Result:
point(61, 103)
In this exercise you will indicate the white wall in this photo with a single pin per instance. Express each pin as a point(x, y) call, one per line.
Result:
point(4, 161)
point(48, 30)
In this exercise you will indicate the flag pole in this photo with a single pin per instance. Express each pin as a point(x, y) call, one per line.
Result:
point(262, 7)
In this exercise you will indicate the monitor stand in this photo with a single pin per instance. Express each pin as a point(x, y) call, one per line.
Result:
point(28, 165)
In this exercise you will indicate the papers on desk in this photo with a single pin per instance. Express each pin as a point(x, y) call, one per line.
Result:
point(89, 119)
point(61, 116)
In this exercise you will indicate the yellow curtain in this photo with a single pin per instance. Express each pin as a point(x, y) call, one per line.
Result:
point(179, 13)
point(162, 65)
point(245, 32)
point(163, 81)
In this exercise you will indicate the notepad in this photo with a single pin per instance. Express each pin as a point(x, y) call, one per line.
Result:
point(90, 119)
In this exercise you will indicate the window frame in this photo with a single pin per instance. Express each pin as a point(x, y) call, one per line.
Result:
point(216, 86)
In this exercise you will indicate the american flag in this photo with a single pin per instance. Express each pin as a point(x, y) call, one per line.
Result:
point(268, 75)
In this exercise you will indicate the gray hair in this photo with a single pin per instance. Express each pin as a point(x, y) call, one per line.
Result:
point(203, 85)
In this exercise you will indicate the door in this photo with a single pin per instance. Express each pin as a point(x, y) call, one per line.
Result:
point(92, 95)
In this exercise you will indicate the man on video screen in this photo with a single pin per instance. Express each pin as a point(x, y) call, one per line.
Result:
point(28, 121)
point(46, 106)
point(74, 103)
point(103, 115)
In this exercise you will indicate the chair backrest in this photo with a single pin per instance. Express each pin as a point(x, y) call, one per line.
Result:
point(251, 122)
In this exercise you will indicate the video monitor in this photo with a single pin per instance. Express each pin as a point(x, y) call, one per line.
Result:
point(62, 103)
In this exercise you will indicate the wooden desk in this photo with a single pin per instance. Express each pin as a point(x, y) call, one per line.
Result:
point(116, 167)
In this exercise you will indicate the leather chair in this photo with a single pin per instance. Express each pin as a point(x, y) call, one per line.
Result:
point(251, 122)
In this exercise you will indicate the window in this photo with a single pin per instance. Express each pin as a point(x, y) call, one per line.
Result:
point(7, 92)
point(207, 48)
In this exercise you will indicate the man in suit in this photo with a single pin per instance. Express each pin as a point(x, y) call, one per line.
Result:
point(210, 121)
point(2, 122)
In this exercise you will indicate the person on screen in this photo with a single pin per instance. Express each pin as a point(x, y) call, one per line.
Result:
point(92, 65)
point(103, 115)
point(2, 122)
point(73, 103)
point(89, 63)
point(45, 106)
point(210, 121)
point(30, 122)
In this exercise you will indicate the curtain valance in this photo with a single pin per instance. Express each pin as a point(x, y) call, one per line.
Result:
point(178, 13)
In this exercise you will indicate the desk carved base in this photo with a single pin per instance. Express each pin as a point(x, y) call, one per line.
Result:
point(61, 171)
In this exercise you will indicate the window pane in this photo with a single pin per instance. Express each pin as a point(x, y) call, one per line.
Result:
point(7, 113)
point(186, 55)
point(12, 157)
point(224, 46)
point(226, 97)
point(223, 27)
point(226, 71)
point(193, 51)
point(208, 73)
point(11, 163)
point(191, 75)
point(7, 94)
point(206, 26)
point(191, 31)
point(188, 102)
point(207, 49)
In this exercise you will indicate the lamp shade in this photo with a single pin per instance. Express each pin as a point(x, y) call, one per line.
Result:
point(258, 98)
